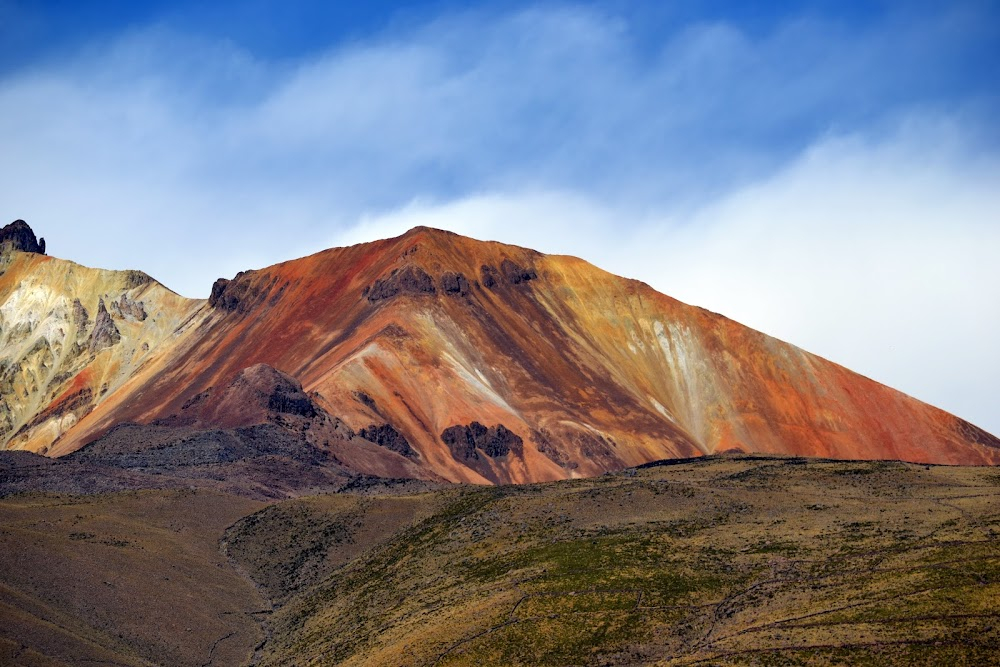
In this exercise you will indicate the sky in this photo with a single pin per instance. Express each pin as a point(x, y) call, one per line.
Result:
point(825, 172)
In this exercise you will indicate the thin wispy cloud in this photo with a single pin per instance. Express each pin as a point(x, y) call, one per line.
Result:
point(814, 176)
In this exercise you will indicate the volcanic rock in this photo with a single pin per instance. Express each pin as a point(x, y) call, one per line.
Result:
point(453, 282)
point(127, 308)
point(515, 273)
point(386, 435)
point(489, 276)
point(19, 236)
point(408, 280)
point(105, 333)
point(495, 441)
point(80, 316)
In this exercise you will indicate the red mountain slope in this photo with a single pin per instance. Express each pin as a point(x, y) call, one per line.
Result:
point(497, 363)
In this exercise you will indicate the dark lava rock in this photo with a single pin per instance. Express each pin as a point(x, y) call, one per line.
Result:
point(215, 299)
point(454, 283)
point(385, 435)
point(408, 280)
point(242, 293)
point(515, 273)
point(495, 441)
point(489, 276)
point(105, 333)
point(499, 440)
point(19, 236)
point(460, 442)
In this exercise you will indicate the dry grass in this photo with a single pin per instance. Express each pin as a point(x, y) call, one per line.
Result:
point(727, 561)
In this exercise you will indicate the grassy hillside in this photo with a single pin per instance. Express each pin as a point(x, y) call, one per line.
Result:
point(720, 561)
point(708, 562)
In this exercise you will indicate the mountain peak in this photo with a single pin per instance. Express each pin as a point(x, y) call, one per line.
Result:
point(18, 235)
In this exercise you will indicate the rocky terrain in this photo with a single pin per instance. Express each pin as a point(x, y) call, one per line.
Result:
point(721, 560)
point(436, 357)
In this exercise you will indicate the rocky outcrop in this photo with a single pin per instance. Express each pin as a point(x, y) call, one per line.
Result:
point(510, 272)
point(246, 291)
point(385, 435)
point(105, 333)
point(128, 309)
point(80, 316)
point(19, 236)
point(515, 274)
point(408, 280)
point(465, 442)
point(454, 283)
point(489, 276)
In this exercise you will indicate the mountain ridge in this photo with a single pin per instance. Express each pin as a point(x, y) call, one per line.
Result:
point(430, 332)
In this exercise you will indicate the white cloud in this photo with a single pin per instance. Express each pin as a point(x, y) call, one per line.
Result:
point(772, 177)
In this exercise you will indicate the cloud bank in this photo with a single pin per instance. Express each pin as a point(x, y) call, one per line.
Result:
point(831, 183)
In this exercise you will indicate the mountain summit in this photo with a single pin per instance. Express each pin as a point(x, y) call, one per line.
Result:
point(19, 236)
point(437, 356)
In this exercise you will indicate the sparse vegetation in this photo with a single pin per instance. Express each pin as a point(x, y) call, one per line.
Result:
point(700, 563)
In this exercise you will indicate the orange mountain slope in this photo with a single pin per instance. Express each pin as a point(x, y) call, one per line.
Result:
point(491, 363)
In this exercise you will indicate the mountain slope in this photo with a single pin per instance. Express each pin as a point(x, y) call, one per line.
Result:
point(493, 363)
point(70, 336)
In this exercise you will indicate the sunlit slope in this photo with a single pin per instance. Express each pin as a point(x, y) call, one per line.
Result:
point(569, 370)
point(70, 337)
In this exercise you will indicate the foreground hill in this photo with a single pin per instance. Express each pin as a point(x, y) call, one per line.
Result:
point(712, 561)
point(438, 357)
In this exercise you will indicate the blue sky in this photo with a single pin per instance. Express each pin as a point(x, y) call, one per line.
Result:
point(826, 172)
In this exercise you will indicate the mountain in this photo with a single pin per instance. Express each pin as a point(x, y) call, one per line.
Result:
point(438, 357)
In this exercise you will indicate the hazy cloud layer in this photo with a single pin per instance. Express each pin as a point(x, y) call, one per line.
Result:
point(828, 182)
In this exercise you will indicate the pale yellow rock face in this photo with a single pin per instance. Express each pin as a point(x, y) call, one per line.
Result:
point(51, 373)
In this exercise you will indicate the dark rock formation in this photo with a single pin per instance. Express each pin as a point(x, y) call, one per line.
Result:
point(466, 441)
point(460, 442)
point(515, 274)
point(242, 293)
point(105, 333)
point(489, 276)
point(499, 441)
point(80, 316)
point(137, 279)
point(454, 283)
point(127, 308)
point(19, 236)
point(408, 280)
point(385, 435)
point(215, 299)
